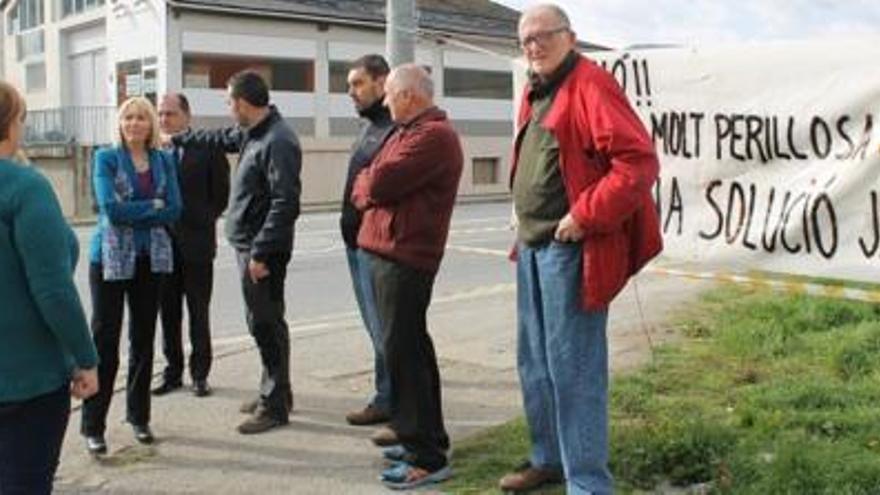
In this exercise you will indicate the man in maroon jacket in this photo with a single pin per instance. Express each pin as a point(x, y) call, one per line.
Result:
point(407, 195)
point(582, 176)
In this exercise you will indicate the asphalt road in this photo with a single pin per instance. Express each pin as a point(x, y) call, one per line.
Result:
point(318, 285)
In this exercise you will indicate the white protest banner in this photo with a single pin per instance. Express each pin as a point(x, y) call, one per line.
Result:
point(770, 153)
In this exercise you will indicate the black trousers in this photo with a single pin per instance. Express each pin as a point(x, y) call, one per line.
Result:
point(264, 303)
point(108, 301)
point(192, 281)
point(402, 298)
point(31, 433)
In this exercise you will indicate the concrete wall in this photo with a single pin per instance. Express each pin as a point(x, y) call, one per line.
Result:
point(67, 168)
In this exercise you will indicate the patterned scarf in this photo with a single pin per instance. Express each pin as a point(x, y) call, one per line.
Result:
point(118, 253)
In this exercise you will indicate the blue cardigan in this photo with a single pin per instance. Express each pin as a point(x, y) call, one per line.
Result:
point(137, 212)
point(42, 324)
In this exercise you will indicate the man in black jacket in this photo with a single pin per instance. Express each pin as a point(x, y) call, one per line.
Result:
point(366, 81)
point(259, 225)
point(204, 186)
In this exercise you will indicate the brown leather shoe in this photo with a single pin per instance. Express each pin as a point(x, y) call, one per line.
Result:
point(526, 478)
point(260, 422)
point(369, 415)
point(249, 406)
point(384, 437)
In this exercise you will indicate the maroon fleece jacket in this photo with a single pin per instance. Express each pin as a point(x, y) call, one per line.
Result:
point(408, 191)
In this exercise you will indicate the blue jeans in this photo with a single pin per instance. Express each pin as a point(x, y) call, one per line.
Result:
point(562, 358)
point(362, 282)
point(31, 433)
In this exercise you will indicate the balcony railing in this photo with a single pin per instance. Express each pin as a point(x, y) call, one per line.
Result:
point(83, 125)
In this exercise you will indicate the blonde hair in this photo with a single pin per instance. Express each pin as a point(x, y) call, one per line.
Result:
point(139, 104)
point(12, 106)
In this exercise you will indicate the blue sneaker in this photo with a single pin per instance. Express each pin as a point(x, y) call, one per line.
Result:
point(402, 476)
point(396, 453)
point(396, 470)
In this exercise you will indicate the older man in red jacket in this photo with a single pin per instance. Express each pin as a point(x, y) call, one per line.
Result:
point(582, 176)
point(407, 195)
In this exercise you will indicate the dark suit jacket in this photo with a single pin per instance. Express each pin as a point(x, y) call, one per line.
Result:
point(204, 187)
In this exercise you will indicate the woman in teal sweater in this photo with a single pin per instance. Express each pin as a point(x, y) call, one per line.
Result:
point(47, 353)
point(138, 198)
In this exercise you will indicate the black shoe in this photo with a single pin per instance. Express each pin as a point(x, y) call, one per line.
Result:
point(143, 434)
point(260, 422)
point(201, 388)
point(167, 387)
point(96, 445)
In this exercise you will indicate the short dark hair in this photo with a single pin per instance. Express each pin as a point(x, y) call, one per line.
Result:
point(183, 101)
point(249, 86)
point(375, 65)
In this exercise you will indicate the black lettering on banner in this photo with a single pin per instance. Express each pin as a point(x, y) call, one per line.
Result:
point(736, 136)
point(720, 226)
point(821, 144)
point(676, 207)
point(697, 117)
point(866, 137)
point(737, 196)
point(822, 200)
point(770, 245)
point(677, 135)
point(841, 130)
point(727, 128)
point(797, 223)
point(722, 130)
point(875, 230)
point(660, 129)
point(805, 219)
point(636, 72)
point(672, 128)
point(777, 150)
point(762, 139)
point(618, 70)
point(754, 130)
point(749, 216)
point(794, 151)
point(783, 239)
point(647, 81)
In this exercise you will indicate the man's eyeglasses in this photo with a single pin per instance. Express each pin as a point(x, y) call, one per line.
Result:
point(541, 38)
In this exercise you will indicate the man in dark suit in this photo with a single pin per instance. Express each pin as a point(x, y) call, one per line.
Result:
point(204, 185)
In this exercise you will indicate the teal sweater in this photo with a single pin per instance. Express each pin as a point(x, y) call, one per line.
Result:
point(43, 328)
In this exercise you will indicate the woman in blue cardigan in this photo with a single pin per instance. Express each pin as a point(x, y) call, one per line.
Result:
point(138, 198)
point(47, 354)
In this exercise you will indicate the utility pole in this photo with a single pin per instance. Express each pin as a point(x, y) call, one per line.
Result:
point(400, 37)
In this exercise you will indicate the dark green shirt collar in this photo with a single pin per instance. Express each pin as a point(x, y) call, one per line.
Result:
point(543, 86)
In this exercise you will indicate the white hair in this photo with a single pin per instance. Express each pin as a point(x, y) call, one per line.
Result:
point(550, 8)
point(415, 78)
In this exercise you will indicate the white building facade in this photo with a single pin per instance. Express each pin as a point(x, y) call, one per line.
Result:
point(76, 60)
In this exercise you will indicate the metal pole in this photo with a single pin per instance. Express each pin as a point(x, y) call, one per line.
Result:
point(400, 44)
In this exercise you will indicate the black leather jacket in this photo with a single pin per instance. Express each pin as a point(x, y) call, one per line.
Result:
point(266, 188)
point(369, 142)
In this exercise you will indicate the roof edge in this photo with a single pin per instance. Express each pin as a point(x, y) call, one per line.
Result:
point(335, 20)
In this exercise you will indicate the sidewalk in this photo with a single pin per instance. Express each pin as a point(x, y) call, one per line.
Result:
point(199, 451)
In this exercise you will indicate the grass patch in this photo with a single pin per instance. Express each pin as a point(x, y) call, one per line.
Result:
point(768, 394)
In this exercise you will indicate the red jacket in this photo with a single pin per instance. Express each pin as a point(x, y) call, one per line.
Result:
point(408, 191)
point(609, 165)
